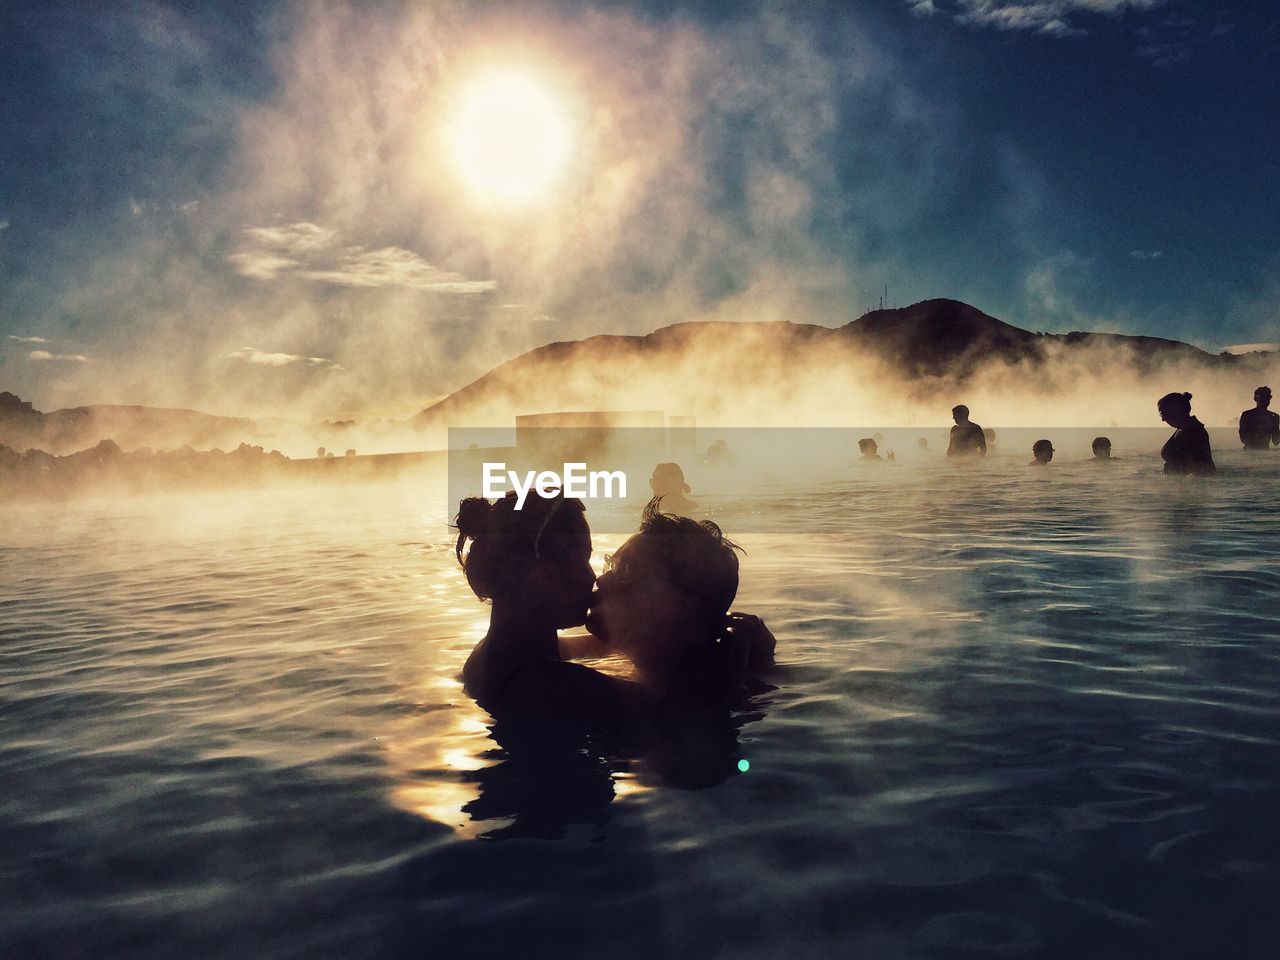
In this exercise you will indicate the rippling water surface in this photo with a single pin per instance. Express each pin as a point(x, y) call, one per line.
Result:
point(1017, 713)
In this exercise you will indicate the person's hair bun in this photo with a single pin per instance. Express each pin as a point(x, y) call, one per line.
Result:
point(474, 516)
point(1186, 396)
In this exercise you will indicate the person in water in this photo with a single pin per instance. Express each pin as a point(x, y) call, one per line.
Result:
point(663, 602)
point(1101, 450)
point(534, 566)
point(869, 450)
point(667, 484)
point(1042, 451)
point(1187, 451)
point(878, 437)
point(717, 453)
point(967, 438)
point(1259, 427)
point(989, 435)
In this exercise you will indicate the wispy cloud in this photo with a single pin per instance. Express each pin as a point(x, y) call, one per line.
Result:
point(314, 253)
point(29, 339)
point(1146, 254)
point(923, 8)
point(264, 359)
point(44, 356)
point(1053, 17)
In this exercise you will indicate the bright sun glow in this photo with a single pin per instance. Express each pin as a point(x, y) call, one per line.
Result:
point(511, 138)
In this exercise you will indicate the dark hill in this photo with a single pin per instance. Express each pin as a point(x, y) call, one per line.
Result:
point(694, 367)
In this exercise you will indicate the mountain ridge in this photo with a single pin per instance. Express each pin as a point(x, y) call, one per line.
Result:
point(930, 341)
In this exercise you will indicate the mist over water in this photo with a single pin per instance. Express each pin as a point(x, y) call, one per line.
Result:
point(1016, 712)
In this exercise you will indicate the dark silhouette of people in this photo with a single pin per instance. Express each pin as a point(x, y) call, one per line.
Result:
point(668, 486)
point(667, 591)
point(1102, 450)
point(663, 602)
point(534, 566)
point(1042, 452)
point(967, 439)
point(717, 453)
point(1260, 427)
point(878, 437)
point(868, 449)
point(1187, 451)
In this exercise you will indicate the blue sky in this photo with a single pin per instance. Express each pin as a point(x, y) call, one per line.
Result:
point(251, 208)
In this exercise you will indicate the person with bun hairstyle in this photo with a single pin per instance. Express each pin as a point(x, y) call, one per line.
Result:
point(534, 566)
point(1187, 451)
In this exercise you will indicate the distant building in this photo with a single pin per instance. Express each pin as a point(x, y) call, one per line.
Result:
point(585, 436)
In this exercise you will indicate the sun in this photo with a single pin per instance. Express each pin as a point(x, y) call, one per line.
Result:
point(511, 137)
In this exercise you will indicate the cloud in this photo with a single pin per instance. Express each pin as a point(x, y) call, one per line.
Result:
point(264, 359)
point(4, 225)
point(313, 253)
point(29, 339)
point(1240, 348)
point(1053, 17)
point(923, 8)
point(1146, 254)
point(44, 356)
point(260, 265)
point(1165, 54)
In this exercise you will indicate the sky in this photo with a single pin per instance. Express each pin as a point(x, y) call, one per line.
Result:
point(261, 209)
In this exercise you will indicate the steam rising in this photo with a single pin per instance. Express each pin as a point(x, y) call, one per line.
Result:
point(334, 268)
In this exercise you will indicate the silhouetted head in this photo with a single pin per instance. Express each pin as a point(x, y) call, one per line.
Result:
point(1042, 450)
point(717, 452)
point(1102, 448)
point(1262, 396)
point(666, 590)
point(1175, 409)
point(867, 447)
point(960, 413)
point(989, 435)
point(539, 556)
point(668, 480)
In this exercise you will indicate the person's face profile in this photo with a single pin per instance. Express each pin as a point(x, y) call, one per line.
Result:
point(636, 607)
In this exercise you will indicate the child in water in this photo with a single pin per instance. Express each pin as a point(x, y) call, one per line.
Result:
point(663, 602)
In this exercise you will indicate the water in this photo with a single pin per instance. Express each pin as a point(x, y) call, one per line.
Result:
point(1018, 713)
